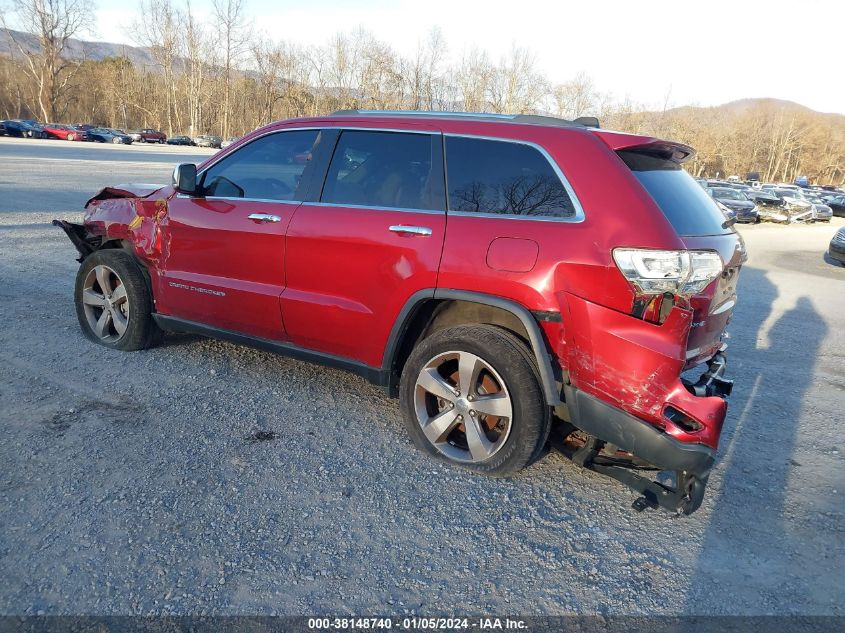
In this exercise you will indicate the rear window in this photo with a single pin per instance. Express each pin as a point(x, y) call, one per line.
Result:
point(503, 178)
point(684, 203)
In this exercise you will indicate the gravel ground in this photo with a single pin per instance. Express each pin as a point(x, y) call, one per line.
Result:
point(133, 483)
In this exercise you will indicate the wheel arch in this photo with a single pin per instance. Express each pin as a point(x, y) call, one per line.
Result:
point(430, 310)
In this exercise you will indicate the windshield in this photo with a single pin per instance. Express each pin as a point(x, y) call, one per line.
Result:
point(684, 203)
point(729, 194)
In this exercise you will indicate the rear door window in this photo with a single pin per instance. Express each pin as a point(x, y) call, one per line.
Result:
point(684, 203)
point(503, 178)
point(382, 169)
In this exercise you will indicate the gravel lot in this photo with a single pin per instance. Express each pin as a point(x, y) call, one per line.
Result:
point(132, 483)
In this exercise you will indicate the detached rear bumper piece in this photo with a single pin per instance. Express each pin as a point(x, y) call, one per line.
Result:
point(615, 426)
point(650, 449)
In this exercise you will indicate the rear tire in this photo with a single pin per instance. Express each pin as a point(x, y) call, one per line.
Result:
point(471, 396)
point(114, 304)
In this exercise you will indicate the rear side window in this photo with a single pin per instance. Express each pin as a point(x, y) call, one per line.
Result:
point(503, 178)
point(684, 203)
point(381, 169)
point(268, 168)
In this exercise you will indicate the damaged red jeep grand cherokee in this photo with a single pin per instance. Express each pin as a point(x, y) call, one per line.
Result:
point(514, 280)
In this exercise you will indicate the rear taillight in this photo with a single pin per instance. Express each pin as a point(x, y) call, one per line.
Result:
point(680, 273)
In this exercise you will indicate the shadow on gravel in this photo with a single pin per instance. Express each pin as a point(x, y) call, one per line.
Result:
point(749, 559)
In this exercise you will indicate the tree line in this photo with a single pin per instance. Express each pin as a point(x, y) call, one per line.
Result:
point(221, 76)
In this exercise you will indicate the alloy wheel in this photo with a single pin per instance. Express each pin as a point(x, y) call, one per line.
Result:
point(463, 406)
point(105, 303)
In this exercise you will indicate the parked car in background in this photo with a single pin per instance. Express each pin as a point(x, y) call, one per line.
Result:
point(837, 246)
point(228, 142)
point(736, 201)
point(763, 198)
point(148, 135)
point(108, 135)
point(739, 186)
point(179, 140)
point(484, 326)
point(837, 205)
point(795, 208)
point(23, 128)
point(64, 132)
point(123, 136)
point(821, 211)
point(208, 140)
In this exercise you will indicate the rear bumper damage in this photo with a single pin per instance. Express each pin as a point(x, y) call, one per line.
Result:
point(630, 412)
point(629, 449)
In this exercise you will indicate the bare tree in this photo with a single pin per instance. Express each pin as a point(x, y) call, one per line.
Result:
point(160, 31)
point(516, 85)
point(471, 81)
point(574, 98)
point(199, 56)
point(54, 23)
point(231, 21)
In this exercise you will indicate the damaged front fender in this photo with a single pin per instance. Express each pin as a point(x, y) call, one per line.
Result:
point(131, 214)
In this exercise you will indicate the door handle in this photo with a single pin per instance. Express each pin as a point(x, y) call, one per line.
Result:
point(264, 217)
point(411, 230)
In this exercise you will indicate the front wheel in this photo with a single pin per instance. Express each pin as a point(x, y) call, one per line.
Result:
point(471, 395)
point(113, 302)
point(116, 141)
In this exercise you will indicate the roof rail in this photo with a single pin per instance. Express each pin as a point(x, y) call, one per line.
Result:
point(529, 119)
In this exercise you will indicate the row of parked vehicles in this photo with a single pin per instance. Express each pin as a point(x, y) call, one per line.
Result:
point(30, 128)
point(784, 203)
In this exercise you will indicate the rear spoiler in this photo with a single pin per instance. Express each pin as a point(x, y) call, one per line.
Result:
point(669, 150)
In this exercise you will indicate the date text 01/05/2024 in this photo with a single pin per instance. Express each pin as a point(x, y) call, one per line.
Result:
point(417, 623)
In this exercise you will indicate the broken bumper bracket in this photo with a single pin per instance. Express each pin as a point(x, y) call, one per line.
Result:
point(712, 381)
point(79, 236)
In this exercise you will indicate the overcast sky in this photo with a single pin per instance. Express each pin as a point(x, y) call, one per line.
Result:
point(703, 52)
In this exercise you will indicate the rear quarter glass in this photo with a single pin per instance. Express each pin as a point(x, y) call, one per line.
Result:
point(688, 207)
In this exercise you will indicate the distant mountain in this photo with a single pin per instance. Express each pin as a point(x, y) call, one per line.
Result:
point(743, 106)
point(76, 49)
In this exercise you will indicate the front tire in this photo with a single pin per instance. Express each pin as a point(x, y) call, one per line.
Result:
point(471, 395)
point(113, 302)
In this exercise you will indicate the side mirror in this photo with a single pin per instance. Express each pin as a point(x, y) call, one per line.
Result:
point(185, 178)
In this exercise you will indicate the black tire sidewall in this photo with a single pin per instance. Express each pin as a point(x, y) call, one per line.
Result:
point(501, 350)
point(141, 331)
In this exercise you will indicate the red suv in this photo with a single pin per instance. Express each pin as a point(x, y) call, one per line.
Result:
point(506, 277)
point(148, 135)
